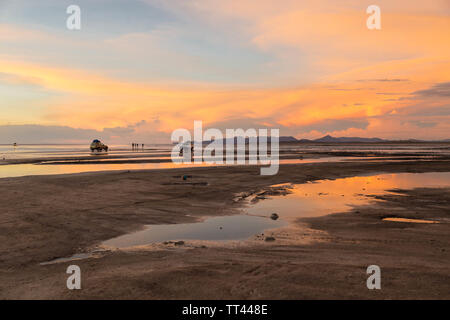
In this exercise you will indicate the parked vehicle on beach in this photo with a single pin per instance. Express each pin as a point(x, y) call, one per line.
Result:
point(99, 146)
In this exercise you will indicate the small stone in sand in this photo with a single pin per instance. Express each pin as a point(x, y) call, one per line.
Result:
point(176, 243)
point(269, 239)
point(274, 216)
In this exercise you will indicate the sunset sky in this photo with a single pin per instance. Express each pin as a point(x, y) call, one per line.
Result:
point(138, 69)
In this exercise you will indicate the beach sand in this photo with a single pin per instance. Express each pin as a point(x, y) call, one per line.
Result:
point(48, 217)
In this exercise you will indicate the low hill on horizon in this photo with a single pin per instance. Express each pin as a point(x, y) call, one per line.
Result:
point(331, 139)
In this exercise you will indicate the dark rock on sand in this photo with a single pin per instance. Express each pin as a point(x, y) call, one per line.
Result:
point(176, 243)
point(274, 216)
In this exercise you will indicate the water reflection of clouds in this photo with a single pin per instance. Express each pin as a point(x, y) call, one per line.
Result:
point(306, 200)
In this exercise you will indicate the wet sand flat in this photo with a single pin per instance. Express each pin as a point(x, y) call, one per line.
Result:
point(49, 217)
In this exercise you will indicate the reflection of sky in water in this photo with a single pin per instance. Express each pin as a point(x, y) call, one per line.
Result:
point(123, 153)
point(306, 200)
point(18, 170)
point(61, 151)
point(330, 196)
point(218, 228)
point(42, 151)
point(441, 148)
point(410, 220)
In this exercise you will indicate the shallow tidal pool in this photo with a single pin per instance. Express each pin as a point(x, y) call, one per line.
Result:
point(311, 199)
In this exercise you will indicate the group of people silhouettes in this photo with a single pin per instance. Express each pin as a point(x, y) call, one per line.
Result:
point(135, 146)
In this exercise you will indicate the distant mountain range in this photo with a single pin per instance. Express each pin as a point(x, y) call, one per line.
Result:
point(330, 139)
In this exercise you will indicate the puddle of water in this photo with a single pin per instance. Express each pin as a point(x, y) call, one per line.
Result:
point(18, 170)
point(330, 196)
point(78, 256)
point(305, 200)
point(409, 220)
point(239, 227)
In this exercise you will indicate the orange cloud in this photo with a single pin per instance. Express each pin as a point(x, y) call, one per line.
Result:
point(91, 101)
